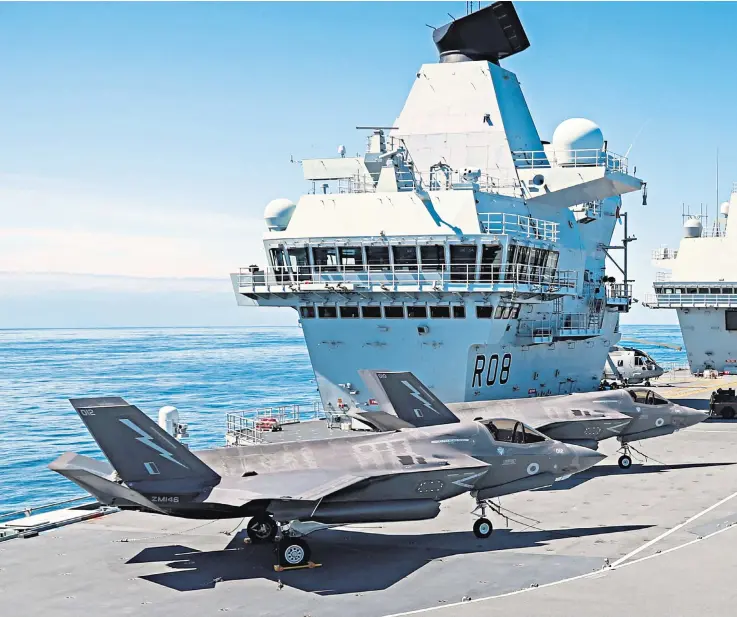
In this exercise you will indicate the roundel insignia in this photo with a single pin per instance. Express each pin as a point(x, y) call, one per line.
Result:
point(533, 468)
point(659, 422)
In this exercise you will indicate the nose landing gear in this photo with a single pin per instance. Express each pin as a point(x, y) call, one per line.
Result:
point(483, 528)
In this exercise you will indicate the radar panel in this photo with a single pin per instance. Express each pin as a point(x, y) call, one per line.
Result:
point(491, 33)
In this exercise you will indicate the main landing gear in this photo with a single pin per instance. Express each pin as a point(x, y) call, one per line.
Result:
point(292, 551)
point(482, 528)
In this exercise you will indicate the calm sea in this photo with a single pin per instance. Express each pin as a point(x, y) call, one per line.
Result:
point(204, 372)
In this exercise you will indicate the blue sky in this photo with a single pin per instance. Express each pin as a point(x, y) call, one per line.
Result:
point(139, 143)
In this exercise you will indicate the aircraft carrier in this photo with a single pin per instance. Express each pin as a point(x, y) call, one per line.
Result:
point(657, 539)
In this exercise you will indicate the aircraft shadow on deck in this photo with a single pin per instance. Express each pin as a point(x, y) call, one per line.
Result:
point(353, 562)
point(611, 470)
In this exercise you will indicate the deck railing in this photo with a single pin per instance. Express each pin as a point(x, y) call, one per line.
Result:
point(541, 159)
point(244, 428)
point(387, 276)
point(505, 223)
point(687, 300)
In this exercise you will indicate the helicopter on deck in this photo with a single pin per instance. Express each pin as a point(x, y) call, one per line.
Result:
point(628, 366)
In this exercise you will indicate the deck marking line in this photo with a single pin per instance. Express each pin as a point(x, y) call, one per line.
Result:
point(673, 529)
point(675, 548)
point(587, 574)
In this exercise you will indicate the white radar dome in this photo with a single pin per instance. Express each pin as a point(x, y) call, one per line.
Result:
point(692, 228)
point(724, 209)
point(577, 140)
point(278, 213)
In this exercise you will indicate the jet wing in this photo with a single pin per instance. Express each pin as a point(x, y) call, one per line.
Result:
point(302, 485)
point(314, 484)
point(546, 412)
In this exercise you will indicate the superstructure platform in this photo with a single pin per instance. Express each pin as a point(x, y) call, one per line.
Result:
point(657, 540)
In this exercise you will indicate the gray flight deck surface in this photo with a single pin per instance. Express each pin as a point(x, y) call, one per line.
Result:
point(145, 564)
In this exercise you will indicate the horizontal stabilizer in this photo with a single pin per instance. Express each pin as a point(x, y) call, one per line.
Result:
point(408, 398)
point(95, 477)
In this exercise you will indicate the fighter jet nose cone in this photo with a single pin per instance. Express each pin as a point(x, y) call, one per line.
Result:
point(583, 458)
point(694, 416)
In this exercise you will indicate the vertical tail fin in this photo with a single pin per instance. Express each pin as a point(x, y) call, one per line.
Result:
point(138, 448)
point(408, 397)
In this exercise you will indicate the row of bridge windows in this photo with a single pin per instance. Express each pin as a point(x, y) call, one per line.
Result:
point(696, 290)
point(430, 257)
point(442, 311)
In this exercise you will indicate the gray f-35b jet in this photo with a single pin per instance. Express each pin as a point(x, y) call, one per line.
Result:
point(583, 419)
point(400, 474)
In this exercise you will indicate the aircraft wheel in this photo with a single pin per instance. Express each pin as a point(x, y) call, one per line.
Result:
point(482, 528)
point(625, 462)
point(728, 413)
point(293, 552)
point(647, 383)
point(261, 528)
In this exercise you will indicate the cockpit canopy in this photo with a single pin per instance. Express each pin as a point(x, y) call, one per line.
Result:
point(643, 396)
point(512, 431)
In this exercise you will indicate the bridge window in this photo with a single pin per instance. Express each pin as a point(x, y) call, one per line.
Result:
point(432, 257)
point(371, 312)
point(307, 312)
point(716, 290)
point(491, 261)
point(691, 290)
point(377, 257)
point(351, 257)
point(462, 262)
point(484, 312)
point(417, 312)
point(498, 312)
point(459, 312)
point(731, 319)
point(405, 257)
point(551, 260)
point(703, 290)
point(349, 312)
point(394, 312)
point(727, 290)
point(515, 311)
point(440, 312)
point(327, 312)
point(325, 258)
point(507, 312)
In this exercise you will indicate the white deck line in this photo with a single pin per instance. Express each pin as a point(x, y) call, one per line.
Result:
point(616, 565)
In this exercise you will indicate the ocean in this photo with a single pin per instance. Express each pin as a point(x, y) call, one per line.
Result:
point(204, 372)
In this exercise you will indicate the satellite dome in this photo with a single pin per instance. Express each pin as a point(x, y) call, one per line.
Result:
point(692, 228)
point(724, 209)
point(578, 134)
point(278, 213)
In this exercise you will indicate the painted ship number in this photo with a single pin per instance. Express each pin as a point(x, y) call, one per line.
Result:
point(486, 373)
point(87, 412)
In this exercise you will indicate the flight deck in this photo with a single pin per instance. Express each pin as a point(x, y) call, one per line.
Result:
point(655, 539)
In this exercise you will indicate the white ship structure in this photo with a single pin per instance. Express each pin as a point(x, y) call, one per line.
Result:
point(699, 281)
point(461, 246)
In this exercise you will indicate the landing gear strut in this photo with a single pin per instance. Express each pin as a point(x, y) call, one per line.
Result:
point(625, 461)
point(482, 528)
point(292, 551)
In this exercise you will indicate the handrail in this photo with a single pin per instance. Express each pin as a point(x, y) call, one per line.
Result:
point(544, 159)
point(505, 223)
point(29, 510)
point(674, 300)
point(312, 278)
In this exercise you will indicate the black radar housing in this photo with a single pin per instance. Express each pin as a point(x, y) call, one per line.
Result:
point(490, 34)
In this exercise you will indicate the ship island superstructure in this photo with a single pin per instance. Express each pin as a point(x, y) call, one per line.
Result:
point(698, 280)
point(461, 246)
